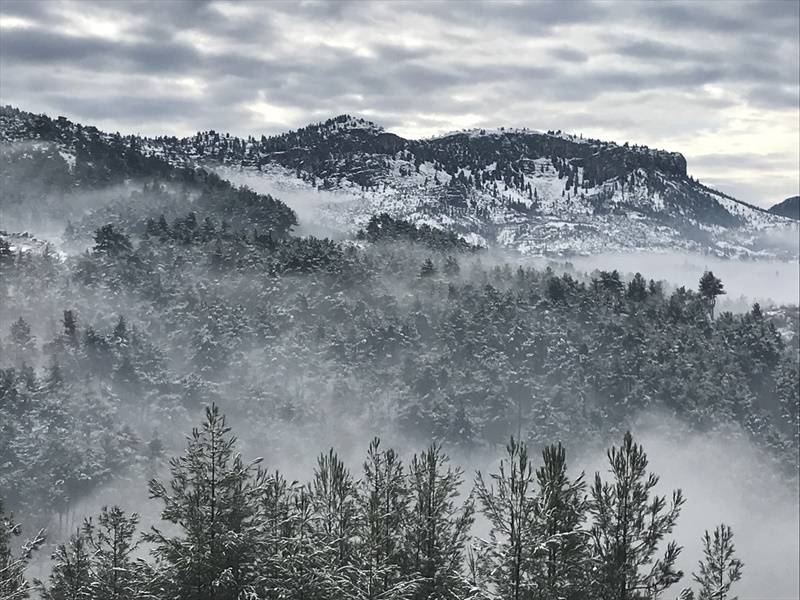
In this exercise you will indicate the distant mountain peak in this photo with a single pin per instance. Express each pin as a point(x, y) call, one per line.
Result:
point(789, 208)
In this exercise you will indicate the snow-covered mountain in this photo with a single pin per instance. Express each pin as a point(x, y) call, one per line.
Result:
point(538, 192)
point(788, 208)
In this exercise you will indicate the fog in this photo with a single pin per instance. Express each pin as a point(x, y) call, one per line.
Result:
point(763, 280)
point(746, 281)
point(725, 478)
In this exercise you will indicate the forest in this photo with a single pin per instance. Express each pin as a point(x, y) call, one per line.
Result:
point(233, 529)
point(169, 293)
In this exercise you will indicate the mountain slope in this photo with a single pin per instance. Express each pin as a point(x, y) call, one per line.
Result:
point(540, 193)
point(537, 192)
point(789, 208)
point(56, 170)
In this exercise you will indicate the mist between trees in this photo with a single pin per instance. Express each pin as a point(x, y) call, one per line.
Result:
point(407, 333)
point(394, 529)
point(168, 289)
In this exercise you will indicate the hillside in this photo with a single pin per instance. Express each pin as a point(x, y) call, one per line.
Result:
point(789, 208)
point(539, 193)
point(56, 171)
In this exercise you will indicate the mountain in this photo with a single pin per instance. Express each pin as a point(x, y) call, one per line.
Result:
point(57, 171)
point(537, 192)
point(789, 208)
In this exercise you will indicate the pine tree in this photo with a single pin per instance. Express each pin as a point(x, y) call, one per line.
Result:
point(710, 287)
point(507, 557)
point(437, 526)
point(427, 269)
point(333, 498)
point(111, 241)
point(278, 524)
point(629, 524)
point(70, 576)
point(563, 560)
point(212, 499)
point(114, 572)
point(13, 584)
point(720, 568)
point(383, 512)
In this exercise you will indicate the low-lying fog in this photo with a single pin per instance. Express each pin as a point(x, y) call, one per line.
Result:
point(723, 477)
point(746, 281)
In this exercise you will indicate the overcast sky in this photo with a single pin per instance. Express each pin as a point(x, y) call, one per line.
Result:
point(718, 81)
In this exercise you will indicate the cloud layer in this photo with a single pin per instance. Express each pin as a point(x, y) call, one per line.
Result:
point(719, 82)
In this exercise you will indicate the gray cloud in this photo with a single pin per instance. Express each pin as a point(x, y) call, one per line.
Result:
point(656, 73)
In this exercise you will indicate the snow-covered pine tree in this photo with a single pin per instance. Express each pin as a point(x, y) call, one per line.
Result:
point(115, 573)
point(710, 287)
point(277, 529)
point(213, 500)
point(720, 568)
point(562, 562)
point(629, 524)
point(383, 512)
point(13, 584)
point(506, 558)
point(334, 501)
point(438, 526)
point(70, 576)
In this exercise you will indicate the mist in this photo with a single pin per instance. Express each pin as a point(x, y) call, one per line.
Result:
point(307, 346)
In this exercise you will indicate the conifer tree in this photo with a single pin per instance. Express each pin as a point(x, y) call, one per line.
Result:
point(438, 526)
point(111, 540)
point(278, 527)
point(563, 561)
point(710, 287)
point(720, 568)
point(510, 508)
point(70, 576)
point(212, 498)
point(427, 269)
point(629, 524)
point(333, 497)
point(13, 584)
point(383, 508)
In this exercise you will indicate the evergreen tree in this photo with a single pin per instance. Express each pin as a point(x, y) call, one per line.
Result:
point(383, 512)
point(70, 576)
point(437, 526)
point(427, 269)
point(629, 524)
point(333, 498)
point(720, 568)
point(710, 287)
point(507, 561)
point(563, 560)
point(212, 499)
point(13, 584)
point(111, 241)
point(115, 574)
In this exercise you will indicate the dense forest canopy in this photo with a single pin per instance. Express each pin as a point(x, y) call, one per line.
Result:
point(171, 291)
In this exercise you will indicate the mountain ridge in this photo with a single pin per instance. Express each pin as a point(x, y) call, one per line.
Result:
point(537, 192)
point(789, 208)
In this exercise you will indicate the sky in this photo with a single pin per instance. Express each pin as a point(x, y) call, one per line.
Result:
point(717, 81)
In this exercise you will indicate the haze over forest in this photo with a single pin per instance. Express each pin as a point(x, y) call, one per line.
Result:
point(365, 301)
